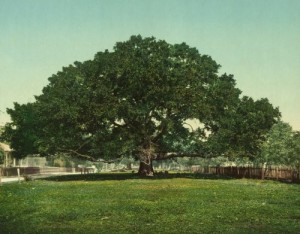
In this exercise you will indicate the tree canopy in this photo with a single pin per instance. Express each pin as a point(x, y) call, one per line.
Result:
point(138, 100)
point(282, 146)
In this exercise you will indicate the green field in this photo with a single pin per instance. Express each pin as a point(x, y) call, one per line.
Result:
point(123, 203)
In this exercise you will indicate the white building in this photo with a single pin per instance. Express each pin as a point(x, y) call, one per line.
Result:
point(8, 159)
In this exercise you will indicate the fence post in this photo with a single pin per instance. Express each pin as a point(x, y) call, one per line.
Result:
point(18, 170)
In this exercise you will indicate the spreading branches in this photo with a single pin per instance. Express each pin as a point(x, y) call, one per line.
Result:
point(138, 97)
point(84, 156)
point(163, 156)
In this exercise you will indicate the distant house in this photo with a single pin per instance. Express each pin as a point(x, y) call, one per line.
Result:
point(8, 158)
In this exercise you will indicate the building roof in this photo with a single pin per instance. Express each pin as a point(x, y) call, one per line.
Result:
point(5, 147)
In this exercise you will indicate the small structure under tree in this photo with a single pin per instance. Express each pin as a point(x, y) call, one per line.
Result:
point(8, 159)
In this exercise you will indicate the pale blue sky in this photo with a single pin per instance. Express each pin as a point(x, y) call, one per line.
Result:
point(256, 40)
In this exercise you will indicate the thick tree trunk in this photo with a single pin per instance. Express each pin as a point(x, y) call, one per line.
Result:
point(146, 169)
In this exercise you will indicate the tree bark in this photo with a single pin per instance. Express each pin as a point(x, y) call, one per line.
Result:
point(146, 169)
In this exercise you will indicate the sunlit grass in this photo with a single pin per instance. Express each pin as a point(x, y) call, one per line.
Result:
point(126, 204)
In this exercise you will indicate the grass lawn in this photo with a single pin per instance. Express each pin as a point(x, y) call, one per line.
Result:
point(123, 203)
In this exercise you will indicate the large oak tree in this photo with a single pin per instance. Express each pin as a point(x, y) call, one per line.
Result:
point(139, 100)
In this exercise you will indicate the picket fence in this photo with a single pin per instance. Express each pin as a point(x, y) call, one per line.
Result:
point(278, 173)
point(13, 171)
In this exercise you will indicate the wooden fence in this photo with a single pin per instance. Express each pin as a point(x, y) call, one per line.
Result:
point(279, 173)
point(13, 171)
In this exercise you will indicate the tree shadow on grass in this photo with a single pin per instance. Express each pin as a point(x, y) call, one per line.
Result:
point(131, 176)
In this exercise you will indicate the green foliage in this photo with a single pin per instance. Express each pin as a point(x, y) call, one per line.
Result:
point(22, 131)
point(1, 152)
point(243, 129)
point(135, 101)
point(1, 157)
point(282, 146)
point(294, 157)
point(1, 130)
point(124, 204)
